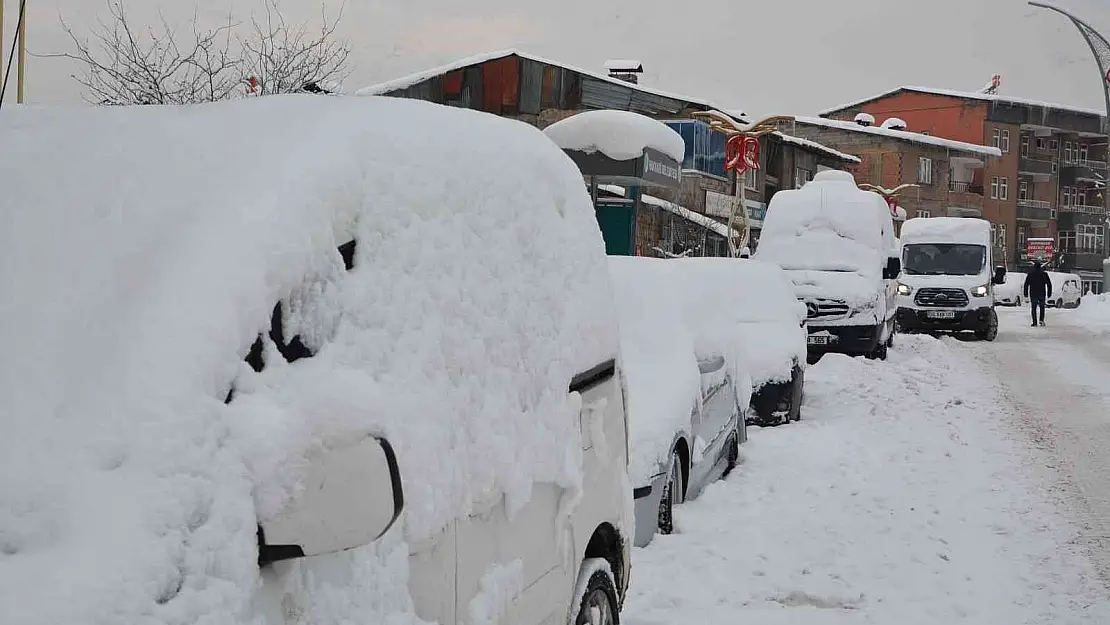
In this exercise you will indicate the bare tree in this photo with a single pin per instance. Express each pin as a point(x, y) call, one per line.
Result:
point(125, 64)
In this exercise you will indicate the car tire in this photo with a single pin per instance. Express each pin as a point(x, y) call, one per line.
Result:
point(990, 332)
point(672, 496)
point(598, 604)
point(732, 457)
point(879, 353)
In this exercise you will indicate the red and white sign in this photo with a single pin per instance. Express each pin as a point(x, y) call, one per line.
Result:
point(1042, 249)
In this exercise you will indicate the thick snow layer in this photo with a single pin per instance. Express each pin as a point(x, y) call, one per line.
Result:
point(751, 304)
point(620, 135)
point(903, 135)
point(1094, 311)
point(499, 588)
point(906, 494)
point(959, 230)
point(657, 355)
point(803, 234)
point(129, 492)
point(817, 147)
point(895, 123)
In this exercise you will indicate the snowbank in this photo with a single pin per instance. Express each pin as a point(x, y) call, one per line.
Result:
point(142, 253)
point(620, 135)
point(749, 304)
point(657, 356)
point(959, 230)
point(1093, 311)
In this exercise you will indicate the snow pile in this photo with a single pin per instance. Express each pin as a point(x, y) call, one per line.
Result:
point(749, 304)
point(129, 492)
point(657, 356)
point(620, 135)
point(957, 230)
point(1094, 311)
point(829, 235)
point(905, 495)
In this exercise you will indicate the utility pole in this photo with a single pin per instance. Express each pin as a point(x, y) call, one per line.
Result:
point(22, 69)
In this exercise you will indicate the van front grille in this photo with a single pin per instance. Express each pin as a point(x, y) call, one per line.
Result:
point(941, 298)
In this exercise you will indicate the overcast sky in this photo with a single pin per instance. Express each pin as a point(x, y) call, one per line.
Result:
point(763, 56)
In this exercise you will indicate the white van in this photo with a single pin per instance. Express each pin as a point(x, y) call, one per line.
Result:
point(1067, 290)
point(947, 282)
point(236, 333)
point(837, 243)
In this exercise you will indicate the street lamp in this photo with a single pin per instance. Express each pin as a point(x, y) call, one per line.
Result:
point(1100, 48)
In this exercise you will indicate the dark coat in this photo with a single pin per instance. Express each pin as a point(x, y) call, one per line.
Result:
point(1038, 286)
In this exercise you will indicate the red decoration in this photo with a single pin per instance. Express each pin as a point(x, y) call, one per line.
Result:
point(253, 84)
point(742, 154)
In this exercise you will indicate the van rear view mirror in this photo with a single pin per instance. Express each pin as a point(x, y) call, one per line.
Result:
point(999, 275)
point(711, 365)
point(352, 496)
point(893, 268)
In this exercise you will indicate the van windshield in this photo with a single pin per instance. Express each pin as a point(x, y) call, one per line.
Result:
point(943, 259)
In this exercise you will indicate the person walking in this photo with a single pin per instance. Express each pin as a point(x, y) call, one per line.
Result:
point(1037, 289)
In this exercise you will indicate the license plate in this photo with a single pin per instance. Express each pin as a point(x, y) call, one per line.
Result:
point(818, 340)
point(941, 314)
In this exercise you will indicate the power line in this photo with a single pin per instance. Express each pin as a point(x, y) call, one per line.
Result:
point(15, 41)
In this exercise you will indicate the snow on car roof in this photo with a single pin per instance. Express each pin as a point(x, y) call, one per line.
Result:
point(620, 135)
point(143, 251)
point(965, 230)
point(903, 135)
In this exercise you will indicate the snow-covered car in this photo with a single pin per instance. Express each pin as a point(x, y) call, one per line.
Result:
point(217, 314)
point(1009, 293)
point(685, 383)
point(837, 244)
point(1067, 290)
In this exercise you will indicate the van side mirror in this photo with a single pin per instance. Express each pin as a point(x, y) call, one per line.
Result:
point(999, 275)
point(352, 496)
point(893, 268)
point(711, 365)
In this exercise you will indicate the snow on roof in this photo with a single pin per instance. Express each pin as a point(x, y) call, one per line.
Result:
point(620, 135)
point(896, 123)
point(129, 492)
point(946, 230)
point(405, 82)
point(820, 147)
point(965, 95)
point(621, 65)
point(903, 135)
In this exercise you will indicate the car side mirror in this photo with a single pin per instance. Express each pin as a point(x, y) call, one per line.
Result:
point(893, 268)
point(711, 365)
point(352, 496)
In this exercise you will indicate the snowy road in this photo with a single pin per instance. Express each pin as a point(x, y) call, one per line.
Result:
point(920, 490)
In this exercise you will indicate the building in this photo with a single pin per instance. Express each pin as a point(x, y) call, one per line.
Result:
point(943, 169)
point(1050, 181)
point(690, 220)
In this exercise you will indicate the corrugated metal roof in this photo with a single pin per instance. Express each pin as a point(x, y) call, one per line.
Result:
point(964, 95)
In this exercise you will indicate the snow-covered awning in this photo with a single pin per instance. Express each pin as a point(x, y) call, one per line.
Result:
point(819, 147)
point(687, 214)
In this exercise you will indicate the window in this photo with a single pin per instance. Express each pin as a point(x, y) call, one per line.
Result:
point(924, 213)
point(1080, 197)
point(1082, 151)
point(1089, 238)
point(750, 179)
point(1053, 144)
point(925, 170)
point(1000, 236)
point(1069, 155)
point(1005, 141)
point(1023, 190)
point(1025, 146)
point(1066, 241)
point(1041, 143)
point(1003, 188)
point(994, 188)
point(996, 138)
point(801, 176)
point(1066, 194)
point(1021, 239)
point(705, 148)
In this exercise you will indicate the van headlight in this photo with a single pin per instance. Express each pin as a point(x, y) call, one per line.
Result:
point(981, 291)
point(904, 289)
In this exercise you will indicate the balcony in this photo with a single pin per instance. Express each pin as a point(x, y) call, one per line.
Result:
point(965, 187)
point(1081, 259)
point(1082, 208)
point(1034, 210)
point(1083, 170)
point(1041, 167)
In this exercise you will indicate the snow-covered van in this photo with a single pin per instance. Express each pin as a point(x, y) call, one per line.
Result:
point(240, 337)
point(948, 277)
point(837, 244)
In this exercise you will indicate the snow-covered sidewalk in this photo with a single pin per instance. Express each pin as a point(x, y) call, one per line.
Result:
point(904, 496)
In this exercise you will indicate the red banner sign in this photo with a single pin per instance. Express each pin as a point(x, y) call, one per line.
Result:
point(1040, 248)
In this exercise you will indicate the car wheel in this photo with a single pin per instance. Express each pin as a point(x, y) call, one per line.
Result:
point(990, 332)
point(598, 604)
point(879, 353)
point(672, 495)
